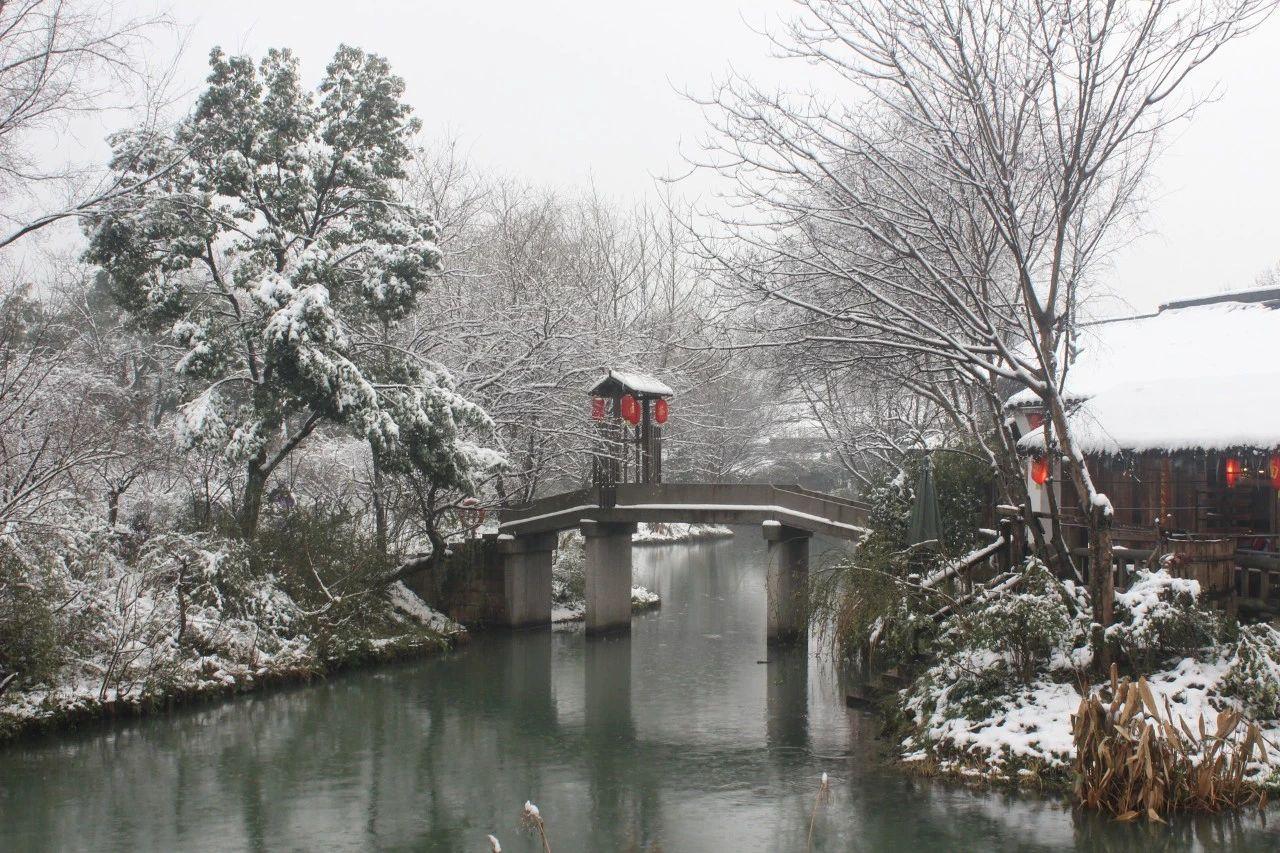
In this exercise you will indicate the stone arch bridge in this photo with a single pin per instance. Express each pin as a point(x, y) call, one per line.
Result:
point(788, 517)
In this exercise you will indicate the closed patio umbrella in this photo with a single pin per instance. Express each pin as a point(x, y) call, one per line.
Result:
point(926, 522)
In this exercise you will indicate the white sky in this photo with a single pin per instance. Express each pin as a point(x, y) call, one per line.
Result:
point(564, 92)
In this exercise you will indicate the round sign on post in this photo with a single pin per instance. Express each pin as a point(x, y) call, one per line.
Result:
point(630, 409)
point(471, 514)
point(661, 411)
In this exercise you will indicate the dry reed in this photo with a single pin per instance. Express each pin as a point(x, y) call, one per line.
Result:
point(824, 793)
point(1134, 761)
point(531, 819)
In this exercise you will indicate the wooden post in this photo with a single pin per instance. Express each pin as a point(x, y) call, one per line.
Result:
point(1004, 557)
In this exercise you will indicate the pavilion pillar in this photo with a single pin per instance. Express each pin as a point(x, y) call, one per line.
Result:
point(607, 557)
point(526, 579)
point(787, 583)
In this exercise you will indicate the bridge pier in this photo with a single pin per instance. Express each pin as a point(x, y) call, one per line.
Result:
point(526, 579)
point(787, 583)
point(607, 557)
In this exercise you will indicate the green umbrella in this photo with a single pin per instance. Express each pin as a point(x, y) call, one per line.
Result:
point(926, 523)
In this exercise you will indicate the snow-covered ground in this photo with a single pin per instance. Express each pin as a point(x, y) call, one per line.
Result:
point(576, 610)
point(976, 713)
point(679, 532)
point(407, 602)
point(1033, 727)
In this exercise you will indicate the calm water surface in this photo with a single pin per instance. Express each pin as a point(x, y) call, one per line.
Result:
point(690, 735)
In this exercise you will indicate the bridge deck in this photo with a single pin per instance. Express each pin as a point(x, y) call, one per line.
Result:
point(704, 503)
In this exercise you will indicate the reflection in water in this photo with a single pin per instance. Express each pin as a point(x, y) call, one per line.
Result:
point(690, 734)
point(787, 699)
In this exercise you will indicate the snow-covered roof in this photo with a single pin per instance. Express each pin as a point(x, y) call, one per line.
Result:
point(1195, 376)
point(637, 383)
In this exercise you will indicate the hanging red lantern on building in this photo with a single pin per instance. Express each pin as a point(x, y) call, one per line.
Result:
point(597, 408)
point(1232, 471)
point(1040, 470)
point(630, 409)
point(1035, 420)
point(1273, 468)
point(661, 411)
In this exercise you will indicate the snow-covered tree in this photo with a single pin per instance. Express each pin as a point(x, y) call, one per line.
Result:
point(275, 258)
point(950, 198)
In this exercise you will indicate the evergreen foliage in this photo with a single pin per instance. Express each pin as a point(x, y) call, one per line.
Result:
point(275, 254)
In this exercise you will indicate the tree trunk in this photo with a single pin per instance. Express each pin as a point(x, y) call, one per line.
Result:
point(113, 506)
point(1101, 584)
point(254, 485)
point(379, 509)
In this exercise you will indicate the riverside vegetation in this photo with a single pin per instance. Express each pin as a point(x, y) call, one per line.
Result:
point(1000, 679)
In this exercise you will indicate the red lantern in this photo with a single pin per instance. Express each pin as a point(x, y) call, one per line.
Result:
point(661, 411)
point(597, 408)
point(1035, 420)
point(1274, 471)
point(630, 409)
point(1040, 470)
point(1232, 471)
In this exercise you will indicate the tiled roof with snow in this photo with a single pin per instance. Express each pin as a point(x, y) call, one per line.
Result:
point(639, 382)
point(1201, 377)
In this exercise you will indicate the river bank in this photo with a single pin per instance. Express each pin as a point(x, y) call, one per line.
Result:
point(999, 699)
point(184, 675)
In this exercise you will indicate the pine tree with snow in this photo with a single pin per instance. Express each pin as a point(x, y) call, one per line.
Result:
point(275, 258)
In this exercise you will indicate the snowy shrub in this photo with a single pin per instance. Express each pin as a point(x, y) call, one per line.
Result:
point(1006, 666)
point(1159, 618)
point(1027, 627)
point(321, 557)
point(1253, 671)
point(30, 638)
point(854, 596)
point(568, 572)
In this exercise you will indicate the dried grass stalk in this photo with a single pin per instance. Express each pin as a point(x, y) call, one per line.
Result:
point(1135, 761)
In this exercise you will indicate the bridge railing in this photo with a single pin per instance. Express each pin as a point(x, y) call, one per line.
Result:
point(725, 503)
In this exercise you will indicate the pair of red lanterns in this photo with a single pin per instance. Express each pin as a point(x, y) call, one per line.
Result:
point(631, 410)
point(1232, 468)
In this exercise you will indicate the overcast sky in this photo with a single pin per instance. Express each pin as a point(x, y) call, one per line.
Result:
point(564, 92)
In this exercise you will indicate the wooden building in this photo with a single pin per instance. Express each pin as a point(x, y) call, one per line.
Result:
point(1178, 413)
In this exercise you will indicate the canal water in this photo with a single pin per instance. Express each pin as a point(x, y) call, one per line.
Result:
point(689, 735)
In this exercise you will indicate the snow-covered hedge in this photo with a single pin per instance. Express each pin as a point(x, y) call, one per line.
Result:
point(1004, 664)
point(1253, 671)
point(1159, 618)
point(97, 617)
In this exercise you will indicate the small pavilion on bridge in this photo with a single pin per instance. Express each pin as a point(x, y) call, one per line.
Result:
point(630, 410)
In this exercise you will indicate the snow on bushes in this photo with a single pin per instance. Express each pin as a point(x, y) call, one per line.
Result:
point(1005, 668)
point(569, 582)
point(1159, 618)
point(95, 617)
point(999, 697)
point(1253, 671)
point(1027, 627)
